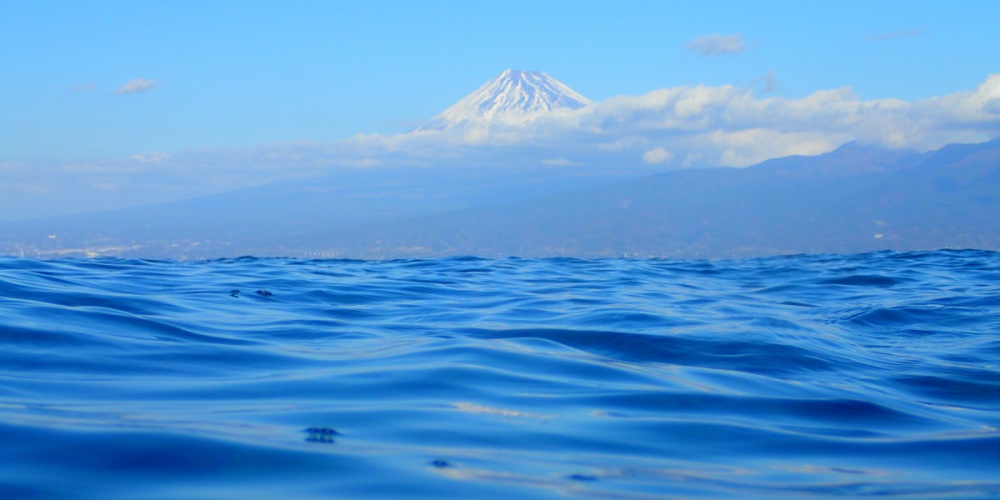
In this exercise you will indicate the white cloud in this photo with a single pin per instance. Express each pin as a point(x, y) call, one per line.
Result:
point(150, 157)
point(716, 44)
point(699, 125)
point(98, 168)
point(992, 105)
point(656, 156)
point(82, 88)
point(559, 162)
point(747, 147)
point(136, 85)
point(680, 127)
point(691, 159)
point(14, 167)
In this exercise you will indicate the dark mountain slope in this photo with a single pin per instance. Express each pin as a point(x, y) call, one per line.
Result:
point(877, 200)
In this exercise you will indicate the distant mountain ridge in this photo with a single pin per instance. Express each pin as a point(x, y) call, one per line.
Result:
point(877, 200)
point(854, 199)
point(511, 97)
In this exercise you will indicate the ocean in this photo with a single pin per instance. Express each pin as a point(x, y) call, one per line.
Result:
point(814, 376)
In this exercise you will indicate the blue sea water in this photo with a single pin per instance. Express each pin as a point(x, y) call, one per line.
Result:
point(804, 376)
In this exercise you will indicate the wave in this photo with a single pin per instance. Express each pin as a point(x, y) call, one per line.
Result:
point(812, 375)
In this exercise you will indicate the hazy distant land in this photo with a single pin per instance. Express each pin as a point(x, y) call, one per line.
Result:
point(854, 199)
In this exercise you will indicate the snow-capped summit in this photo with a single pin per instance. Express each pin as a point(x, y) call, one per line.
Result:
point(513, 97)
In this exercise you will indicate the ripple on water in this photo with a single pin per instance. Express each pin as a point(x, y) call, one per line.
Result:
point(814, 376)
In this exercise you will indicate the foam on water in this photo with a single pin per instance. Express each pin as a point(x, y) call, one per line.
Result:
point(821, 376)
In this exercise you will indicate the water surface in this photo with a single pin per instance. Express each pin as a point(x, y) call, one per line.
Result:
point(804, 376)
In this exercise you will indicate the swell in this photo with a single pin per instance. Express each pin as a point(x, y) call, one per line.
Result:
point(801, 375)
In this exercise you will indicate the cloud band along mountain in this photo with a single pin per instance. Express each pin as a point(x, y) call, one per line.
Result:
point(854, 199)
point(528, 120)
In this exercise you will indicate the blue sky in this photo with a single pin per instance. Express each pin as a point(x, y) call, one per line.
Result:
point(245, 74)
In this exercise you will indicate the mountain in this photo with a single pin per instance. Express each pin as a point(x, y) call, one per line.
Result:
point(854, 199)
point(512, 97)
point(271, 219)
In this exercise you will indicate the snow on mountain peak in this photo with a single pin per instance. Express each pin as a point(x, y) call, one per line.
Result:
point(512, 97)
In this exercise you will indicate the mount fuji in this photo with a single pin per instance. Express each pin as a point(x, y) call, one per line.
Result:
point(511, 98)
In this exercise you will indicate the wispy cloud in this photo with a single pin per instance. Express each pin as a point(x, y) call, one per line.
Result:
point(150, 157)
point(766, 84)
point(82, 88)
point(559, 162)
point(716, 44)
point(136, 85)
point(657, 156)
point(895, 35)
point(689, 126)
